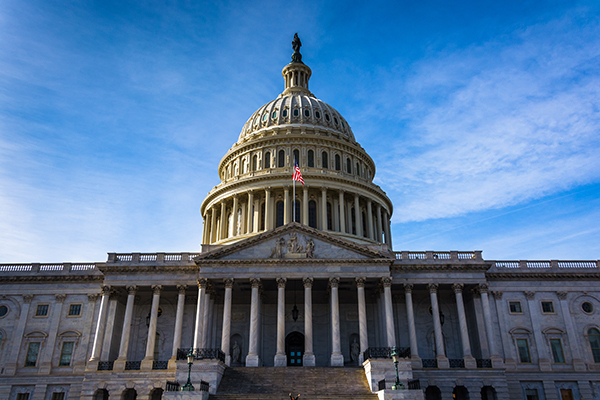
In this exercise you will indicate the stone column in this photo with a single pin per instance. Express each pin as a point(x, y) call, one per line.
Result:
point(252, 359)
point(110, 326)
point(386, 228)
point(45, 364)
point(206, 317)
point(234, 213)
point(81, 351)
point(337, 358)
point(287, 212)
point(379, 226)
point(308, 359)
point(268, 216)
point(206, 228)
point(226, 334)
point(280, 357)
point(249, 211)
point(99, 337)
point(11, 364)
point(149, 358)
point(202, 284)
point(256, 216)
point(470, 362)
point(213, 225)
point(358, 216)
point(362, 318)
point(342, 216)
point(324, 209)
point(487, 316)
point(370, 219)
point(578, 363)
point(412, 331)
point(305, 206)
point(223, 230)
point(124, 345)
point(437, 326)
point(178, 320)
point(540, 343)
point(389, 314)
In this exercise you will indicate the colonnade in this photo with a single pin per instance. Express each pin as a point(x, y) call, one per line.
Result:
point(333, 210)
point(205, 304)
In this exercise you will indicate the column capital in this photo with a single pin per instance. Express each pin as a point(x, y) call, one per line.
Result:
point(433, 287)
point(360, 282)
point(92, 297)
point(562, 295)
point(334, 282)
point(105, 290)
point(281, 282)
point(250, 192)
point(307, 282)
point(458, 287)
point(228, 283)
point(131, 289)
point(529, 295)
point(483, 287)
point(255, 282)
point(156, 289)
point(386, 281)
point(60, 298)
point(181, 289)
point(408, 287)
point(286, 188)
point(236, 196)
point(497, 295)
point(202, 283)
point(27, 298)
point(324, 188)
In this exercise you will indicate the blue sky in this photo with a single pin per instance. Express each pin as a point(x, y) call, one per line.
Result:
point(482, 117)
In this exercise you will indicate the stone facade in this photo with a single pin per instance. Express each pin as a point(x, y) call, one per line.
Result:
point(294, 275)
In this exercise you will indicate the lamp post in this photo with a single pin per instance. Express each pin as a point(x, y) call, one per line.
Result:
point(188, 387)
point(396, 359)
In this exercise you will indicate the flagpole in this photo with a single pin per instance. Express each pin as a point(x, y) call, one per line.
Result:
point(294, 197)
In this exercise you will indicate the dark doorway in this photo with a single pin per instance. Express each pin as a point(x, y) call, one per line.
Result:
point(488, 393)
point(433, 393)
point(294, 348)
point(129, 394)
point(460, 393)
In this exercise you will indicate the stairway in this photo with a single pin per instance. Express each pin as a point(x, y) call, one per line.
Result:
point(312, 383)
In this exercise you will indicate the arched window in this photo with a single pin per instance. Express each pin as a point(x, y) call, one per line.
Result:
point(364, 224)
point(297, 211)
point(254, 162)
point(267, 160)
point(311, 158)
point(296, 156)
point(337, 162)
point(357, 169)
point(594, 338)
point(353, 216)
point(262, 217)
point(312, 214)
point(348, 166)
point(279, 208)
point(324, 160)
point(329, 217)
point(281, 159)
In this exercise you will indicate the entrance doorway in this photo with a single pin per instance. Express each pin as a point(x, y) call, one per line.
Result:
point(294, 349)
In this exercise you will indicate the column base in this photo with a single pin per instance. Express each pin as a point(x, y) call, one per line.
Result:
point(497, 362)
point(228, 360)
point(172, 363)
point(470, 362)
point(91, 365)
point(308, 360)
point(146, 364)
point(416, 362)
point(280, 360)
point(443, 362)
point(337, 360)
point(252, 360)
point(119, 365)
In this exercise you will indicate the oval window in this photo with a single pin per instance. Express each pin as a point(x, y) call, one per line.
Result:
point(335, 120)
point(317, 114)
point(327, 116)
point(296, 113)
point(265, 117)
point(3, 311)
point(306, 113)
point(274, 115)
point(284, 113)
point(587, 307)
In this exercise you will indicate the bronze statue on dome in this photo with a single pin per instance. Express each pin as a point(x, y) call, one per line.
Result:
point(296, 44)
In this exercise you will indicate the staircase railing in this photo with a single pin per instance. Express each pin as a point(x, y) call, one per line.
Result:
point(385, 352)
point(201, 354)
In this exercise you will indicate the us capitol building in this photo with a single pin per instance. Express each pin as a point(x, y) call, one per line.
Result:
point(300, 281)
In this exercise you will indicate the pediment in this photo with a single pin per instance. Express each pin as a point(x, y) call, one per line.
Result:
point(293, 242)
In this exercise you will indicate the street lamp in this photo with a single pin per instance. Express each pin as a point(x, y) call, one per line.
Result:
point(396, 359)
point(188, 387)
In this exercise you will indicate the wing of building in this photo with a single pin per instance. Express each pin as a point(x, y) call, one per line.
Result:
point(297, 288)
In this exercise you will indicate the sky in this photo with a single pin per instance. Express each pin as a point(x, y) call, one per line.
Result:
point(482, 117)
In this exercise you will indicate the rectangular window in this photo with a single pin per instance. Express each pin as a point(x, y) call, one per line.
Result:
point(515, 306)
point(32, 354)
point(547, 307)
point(65, 353)
point(58, 396)
point(531, 394)
point(557, 351)
point(42, 310)
point(566, 394)
point(523, 347)
point(75, 309)
point(22, 396)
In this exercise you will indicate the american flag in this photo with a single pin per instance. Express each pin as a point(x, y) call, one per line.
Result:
point(297, 175)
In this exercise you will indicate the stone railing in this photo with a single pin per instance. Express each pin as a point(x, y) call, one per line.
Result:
point(201, 354)
point(545, 265)
point(151, 257)
point(444, 256)
point(55, 267)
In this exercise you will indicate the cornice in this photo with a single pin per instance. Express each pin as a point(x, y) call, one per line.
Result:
point(52, 278)
point(277, 262)
point(150, 268)
point(441, 267)
point(543, 276)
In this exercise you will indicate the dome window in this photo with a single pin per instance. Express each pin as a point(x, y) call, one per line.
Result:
point(256, 121)
point(284, 113)
point(317, 114)
point(274, 115)
point(265, 117)
point(335, 120)
point(327, 117)
point(311, 158)
point(337, 162)
point(306, 113)
point(296, 112)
